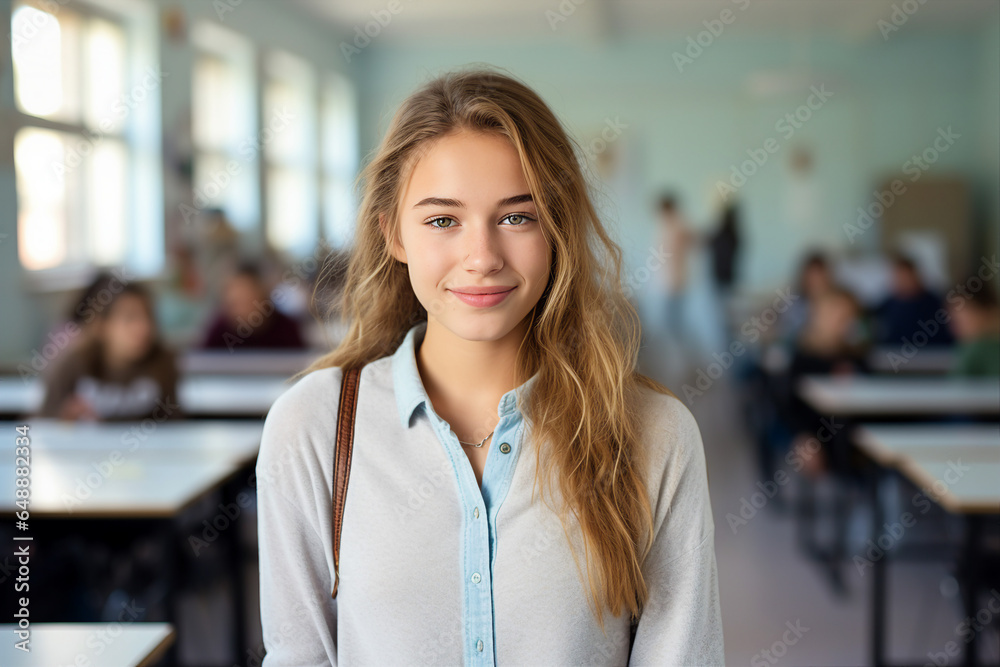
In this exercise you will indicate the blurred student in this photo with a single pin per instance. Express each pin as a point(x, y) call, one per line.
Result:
point(814, 280)
point(120, 370)
point(78, 323)
point(975, 321)
point(677, 240)
point(724, 245)
point(827, 345)
point(249, 318)
point(899, 317)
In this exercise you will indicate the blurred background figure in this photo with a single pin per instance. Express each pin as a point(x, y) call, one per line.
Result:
point(910, 303)
point(975, 322)
point(827, 345)
point(248, 317)
point(815, 278)
point(120, 370)
point(724, 247)
point(80, 319)
point(677, 240)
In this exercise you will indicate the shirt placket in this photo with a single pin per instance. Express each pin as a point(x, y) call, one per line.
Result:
point(479, 536)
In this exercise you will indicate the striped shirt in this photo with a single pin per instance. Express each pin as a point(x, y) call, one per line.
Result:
point(423, 576)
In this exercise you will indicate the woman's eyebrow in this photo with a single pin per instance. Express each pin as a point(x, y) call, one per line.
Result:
point(454, 203)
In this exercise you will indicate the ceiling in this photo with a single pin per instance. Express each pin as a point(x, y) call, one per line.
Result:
point(517, 20)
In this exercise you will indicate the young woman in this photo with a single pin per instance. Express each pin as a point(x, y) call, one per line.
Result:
point(118, 369)
point(497, 351)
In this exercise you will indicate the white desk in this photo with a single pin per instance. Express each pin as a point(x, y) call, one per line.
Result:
point(19, 396)
point(236, 439)
point(114, 470)
point(911, 396)
point(52, 644)
point(958, 466)
point(889, 444)
point(236, 395)
point(973, 491)
point(243, 395)
point(222, 362)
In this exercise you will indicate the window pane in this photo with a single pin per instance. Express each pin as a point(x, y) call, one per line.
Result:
point(229, 184)
point(289, 134)
point(106, 105)
point(214, 109)
point(42, 217)
point(340, 133)
point(44, 51)
point(107, 233)
point(291, 210)
point(339, 211)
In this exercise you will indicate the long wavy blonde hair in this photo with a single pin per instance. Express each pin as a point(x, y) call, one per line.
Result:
point(583, 340)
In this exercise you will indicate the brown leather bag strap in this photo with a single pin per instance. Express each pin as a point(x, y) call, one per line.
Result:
point(342, 462)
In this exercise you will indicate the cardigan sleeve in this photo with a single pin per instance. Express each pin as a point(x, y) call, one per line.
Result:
point(298, 616)
point(681, 622)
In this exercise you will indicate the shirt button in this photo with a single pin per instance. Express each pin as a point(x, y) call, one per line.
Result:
point(476, 578)
point(479, 645)
point(505, 448)
point(475, 512)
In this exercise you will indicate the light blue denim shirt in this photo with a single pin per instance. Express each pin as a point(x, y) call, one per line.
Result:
point(424, 575)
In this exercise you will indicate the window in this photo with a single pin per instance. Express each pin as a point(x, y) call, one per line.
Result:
point(288, 134)
point(340, 160)
point(85, 139)
point(224, 126)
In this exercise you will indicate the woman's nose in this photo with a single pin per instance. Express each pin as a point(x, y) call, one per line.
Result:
point(482, 248)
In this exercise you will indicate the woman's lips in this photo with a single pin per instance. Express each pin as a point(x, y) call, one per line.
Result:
point(482, 300)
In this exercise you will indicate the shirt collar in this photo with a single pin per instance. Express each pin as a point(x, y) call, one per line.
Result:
point(409, 388)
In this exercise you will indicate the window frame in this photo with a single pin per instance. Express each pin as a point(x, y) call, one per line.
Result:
point(139, 134)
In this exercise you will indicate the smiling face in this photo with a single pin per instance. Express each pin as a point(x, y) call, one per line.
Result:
point(470, 236)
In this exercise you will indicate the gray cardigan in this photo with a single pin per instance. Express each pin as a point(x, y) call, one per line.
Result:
point(425, 577)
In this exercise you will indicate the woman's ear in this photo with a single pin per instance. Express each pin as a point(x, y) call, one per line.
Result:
point(395, 249)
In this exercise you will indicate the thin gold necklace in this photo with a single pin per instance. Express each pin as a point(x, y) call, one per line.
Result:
point(481, 442)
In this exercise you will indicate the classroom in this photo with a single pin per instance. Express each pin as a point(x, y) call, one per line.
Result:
point(729, 382)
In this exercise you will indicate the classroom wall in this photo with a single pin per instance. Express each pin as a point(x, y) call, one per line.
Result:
point(686, 129)
point(989, 108)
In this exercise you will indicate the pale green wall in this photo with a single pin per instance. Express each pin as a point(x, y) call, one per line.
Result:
point(688, 128)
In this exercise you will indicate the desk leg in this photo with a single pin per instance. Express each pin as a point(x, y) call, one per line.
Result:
point(879, 573)
point(236, 571)
point(973, 537)
point(169, 539)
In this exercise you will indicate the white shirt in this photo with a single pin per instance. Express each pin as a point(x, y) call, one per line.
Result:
point(423, 576)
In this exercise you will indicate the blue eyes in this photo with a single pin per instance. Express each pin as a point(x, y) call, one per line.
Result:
point(525, 219)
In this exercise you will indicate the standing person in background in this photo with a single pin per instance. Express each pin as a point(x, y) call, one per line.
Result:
point(249, 317)
point(677, 240)
point(975, 320)
point(121, 370)
point(910, 303)
point(724, 245)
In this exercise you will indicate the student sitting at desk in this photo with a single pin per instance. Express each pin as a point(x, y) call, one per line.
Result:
point(815, 279)
point(899, 317)
point(249, 317)
point(975, 320)
point(828, 345)
point(120, 370)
